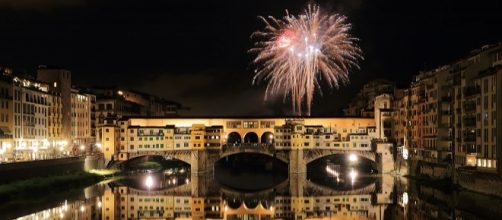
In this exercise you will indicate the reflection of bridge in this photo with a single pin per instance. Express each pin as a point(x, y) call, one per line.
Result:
point(280, 201)
point(203, 160)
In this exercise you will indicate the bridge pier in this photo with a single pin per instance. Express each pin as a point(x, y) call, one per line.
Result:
point(297, 163)
point(202, 161)
point(386, 160)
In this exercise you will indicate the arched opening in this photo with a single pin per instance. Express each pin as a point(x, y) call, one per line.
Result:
point(250, 171)
point(342, 171)
point(267, 138)
point(153, 163)
point(234, 203)
point(251, 203)
point(251, 138)
point(234, 138)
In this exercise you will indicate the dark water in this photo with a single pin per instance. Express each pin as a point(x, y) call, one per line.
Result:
point(256, 190)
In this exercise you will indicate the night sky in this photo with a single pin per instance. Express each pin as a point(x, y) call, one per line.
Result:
point(195, 52)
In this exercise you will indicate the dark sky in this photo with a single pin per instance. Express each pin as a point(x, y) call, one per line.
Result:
point(195, 52)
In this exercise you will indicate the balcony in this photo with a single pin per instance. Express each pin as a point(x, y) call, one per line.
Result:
point(470, 148)
point(469, 106)
point(470, 137)
point(471, 91)
point(470, 121)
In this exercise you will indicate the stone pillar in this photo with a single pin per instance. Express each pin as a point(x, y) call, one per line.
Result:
point(387, 159)
point(297, 164)
point(202, 161)
point(297, 183)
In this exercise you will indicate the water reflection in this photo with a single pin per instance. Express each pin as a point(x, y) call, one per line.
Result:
point(353, 196)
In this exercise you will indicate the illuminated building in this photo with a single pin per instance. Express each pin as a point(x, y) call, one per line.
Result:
point(112, 103)
point(81, 118)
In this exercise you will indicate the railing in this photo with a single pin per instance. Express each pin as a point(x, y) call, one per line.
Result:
point(469, 106)
point(472, 90)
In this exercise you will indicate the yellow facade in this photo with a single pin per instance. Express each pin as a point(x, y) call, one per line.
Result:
point(165, 134)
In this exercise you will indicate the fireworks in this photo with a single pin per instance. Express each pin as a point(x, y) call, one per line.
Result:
point(295, 53)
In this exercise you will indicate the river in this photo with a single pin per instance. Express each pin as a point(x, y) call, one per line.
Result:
point(332, 192)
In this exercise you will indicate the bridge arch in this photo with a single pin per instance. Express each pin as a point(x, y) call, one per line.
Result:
point(234, 138)
point(280, 157)
point(251, 138)
point(181, 155)
point(312, 155)
point(267, 138)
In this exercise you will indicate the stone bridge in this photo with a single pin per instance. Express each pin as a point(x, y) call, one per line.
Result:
point(203, 160)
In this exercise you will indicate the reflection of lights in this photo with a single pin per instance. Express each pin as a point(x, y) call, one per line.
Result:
point(333, 172)
point(149, 182)
point(82, 147)
point(405, 153)
point(353, 175)
point(187, 180)
point(352, 158)
point(99, 204)
point(82, 208)
point(405, 198)
point(226, 208)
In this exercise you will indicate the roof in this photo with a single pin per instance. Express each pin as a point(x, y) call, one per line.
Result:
point(242, 117)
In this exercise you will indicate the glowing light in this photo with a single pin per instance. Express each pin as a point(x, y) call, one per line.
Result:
point(295, 53)
point(99, 204)
point(82, 147)
point(98, 145)
point(187, 180)
point(120, 92)
point(352, 158)
point(149, 182)
point(333, 172)
point(82, 208)
point(405, 198)
point(353, 175)
point(405, 153)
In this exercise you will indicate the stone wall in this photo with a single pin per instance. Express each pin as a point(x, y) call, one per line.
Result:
point(480, 182)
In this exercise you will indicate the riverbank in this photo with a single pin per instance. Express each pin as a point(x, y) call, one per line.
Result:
point(43, 186)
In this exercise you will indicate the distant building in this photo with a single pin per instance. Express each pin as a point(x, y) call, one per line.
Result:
point(363, 103)
point(112, 103)
point(43, 118)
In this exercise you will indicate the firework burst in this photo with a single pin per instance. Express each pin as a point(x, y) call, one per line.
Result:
point(295, 53)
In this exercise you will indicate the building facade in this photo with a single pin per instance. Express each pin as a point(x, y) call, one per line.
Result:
point(446, 119)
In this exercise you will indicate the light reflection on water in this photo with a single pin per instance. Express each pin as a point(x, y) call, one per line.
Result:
point(185, 196)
